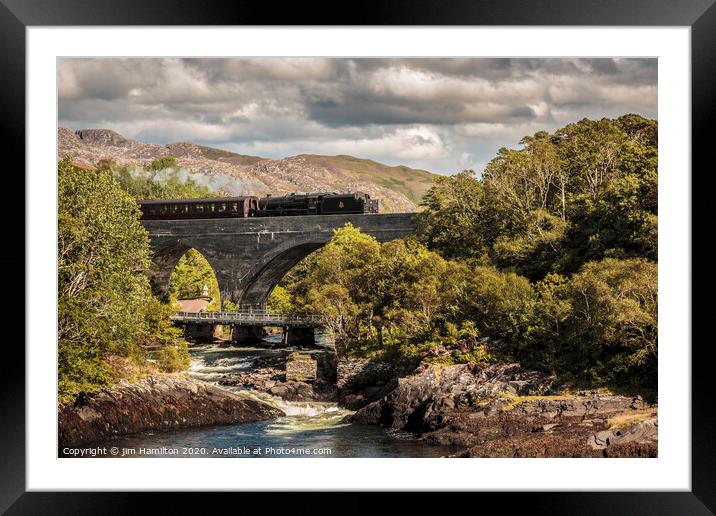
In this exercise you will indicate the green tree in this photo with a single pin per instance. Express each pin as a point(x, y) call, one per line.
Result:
point(583, 193)
point(163, 163)
point(189, 277)
point(103, 292)
point(280, 300)
point(452, 221)
point(612, 334)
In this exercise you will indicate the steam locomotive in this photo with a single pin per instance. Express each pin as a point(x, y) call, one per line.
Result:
point(250, 206)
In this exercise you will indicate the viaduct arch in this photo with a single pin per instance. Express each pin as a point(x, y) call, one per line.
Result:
point(250, 256)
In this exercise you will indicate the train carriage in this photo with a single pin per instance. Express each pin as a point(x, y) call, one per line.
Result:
point(250, 206)
point(207, 208)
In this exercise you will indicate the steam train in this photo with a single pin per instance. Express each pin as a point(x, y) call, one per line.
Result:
point(250, 206)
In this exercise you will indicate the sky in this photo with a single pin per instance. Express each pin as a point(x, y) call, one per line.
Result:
point(439, 114)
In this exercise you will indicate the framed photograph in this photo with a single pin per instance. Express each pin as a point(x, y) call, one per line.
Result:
point(421, 252)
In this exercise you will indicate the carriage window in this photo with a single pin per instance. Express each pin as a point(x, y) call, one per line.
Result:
point(199, 208)
point(234, 206)
point(163, 208)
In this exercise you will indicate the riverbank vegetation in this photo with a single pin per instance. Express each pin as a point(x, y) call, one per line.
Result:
point(551, 254)
point(109, 324)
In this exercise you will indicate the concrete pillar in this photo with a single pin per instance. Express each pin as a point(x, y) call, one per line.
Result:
point(246, 334)
point(297, 336)
point(199, 332)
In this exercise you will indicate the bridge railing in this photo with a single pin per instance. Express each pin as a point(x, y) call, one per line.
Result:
point(248, 316)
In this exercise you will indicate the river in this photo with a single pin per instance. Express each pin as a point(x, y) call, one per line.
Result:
point(309, 429)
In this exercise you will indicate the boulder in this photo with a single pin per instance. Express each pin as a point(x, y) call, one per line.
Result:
point(301, 367)
point(643, 432)
point(435, 389)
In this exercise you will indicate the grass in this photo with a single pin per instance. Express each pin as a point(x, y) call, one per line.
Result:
point(631, 418)
point(214, 153)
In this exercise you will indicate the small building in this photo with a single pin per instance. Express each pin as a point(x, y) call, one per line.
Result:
point(197, 304)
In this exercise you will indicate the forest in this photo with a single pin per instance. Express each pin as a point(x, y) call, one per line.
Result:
point(548, 258)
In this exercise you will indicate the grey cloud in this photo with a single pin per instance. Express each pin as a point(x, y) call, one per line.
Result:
point(460, 109)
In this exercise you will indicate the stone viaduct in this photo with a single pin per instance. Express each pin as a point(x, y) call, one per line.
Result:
point(250, 255)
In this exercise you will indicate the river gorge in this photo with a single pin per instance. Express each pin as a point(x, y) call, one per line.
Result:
point(253, 402)
point(308, 429)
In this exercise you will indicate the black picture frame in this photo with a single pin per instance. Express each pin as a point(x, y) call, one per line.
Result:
point(17, 15)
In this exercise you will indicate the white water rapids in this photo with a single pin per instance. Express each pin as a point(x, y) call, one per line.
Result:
point(308, 429)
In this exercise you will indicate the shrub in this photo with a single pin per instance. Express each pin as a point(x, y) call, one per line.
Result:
point(174, 357)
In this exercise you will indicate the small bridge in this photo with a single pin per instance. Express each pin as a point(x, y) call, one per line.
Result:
point(247, 325)
point(249, 318)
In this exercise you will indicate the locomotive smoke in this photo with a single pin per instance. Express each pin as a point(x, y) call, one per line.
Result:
point(217, 183)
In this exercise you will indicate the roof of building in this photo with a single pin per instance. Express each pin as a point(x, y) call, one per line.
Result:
point(194, 305)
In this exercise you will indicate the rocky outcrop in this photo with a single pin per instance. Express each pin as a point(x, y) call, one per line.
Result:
point(504, 411)
point(301, 368)
point(435, 389)
point(155, 403)
point(642, 432)
point(289, 377)
point(360, 381)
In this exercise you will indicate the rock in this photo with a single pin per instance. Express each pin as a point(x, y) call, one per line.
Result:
point(293, 391)
point(354, 401)
point(360, 381)
point(505, 411)
point(270, 377)
point(643, 432)
point(301, 367)
point(435, 389)
point(164, 401)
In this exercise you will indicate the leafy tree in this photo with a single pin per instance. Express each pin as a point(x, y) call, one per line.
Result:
point(280, 300)
point(162, 179)
point(452, 222)
point(612, 333)
point(163, 163)
point(189, 277)
point(551, 254)
point(583, 193)
point(103, 292)
point(174, 357)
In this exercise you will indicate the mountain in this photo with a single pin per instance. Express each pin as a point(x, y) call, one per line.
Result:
point(399, 188)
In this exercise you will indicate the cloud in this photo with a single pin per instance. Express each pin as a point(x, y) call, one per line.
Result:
point(442, 114)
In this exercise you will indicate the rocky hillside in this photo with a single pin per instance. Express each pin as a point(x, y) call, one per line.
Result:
point(399, 188)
